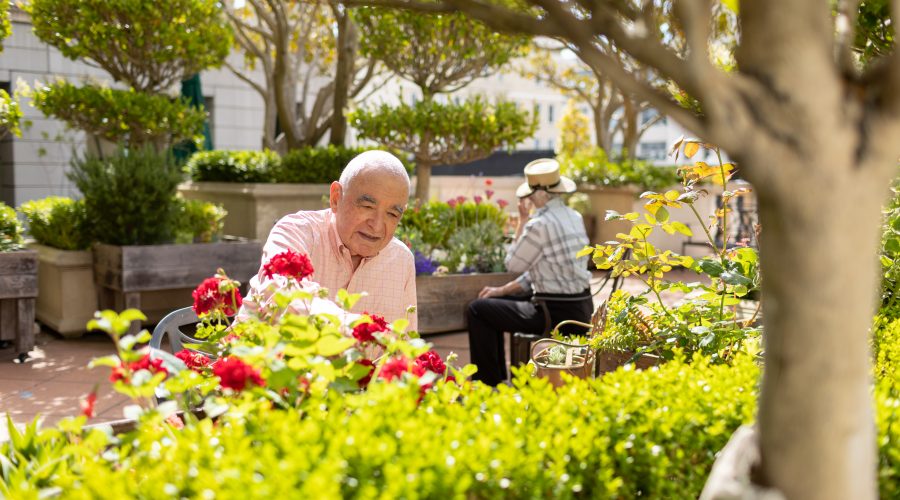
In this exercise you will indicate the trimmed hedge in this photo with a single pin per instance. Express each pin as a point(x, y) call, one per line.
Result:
point(58, 222)
point(652, 434)
point(10, 229)
point(319, 165)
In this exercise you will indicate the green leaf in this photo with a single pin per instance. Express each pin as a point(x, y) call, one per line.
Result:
point(710, 267)
point(682, 228)
point(734, 278)
point(662, 214)
point(331, 345)
point(584, 252)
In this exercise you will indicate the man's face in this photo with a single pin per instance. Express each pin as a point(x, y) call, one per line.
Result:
point(367, 214)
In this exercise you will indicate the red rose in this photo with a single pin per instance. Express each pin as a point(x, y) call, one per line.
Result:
point(194, 360)
point(290, 264)
point(394, 367)
point(431, 361)
point(364, 382)
point(88, 403)
point(234, 374)
point(364, 332)
point(217, 294)
point(124, 371)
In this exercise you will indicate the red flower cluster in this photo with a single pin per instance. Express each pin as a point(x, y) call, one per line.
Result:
point(88, 403)
point(364, 382)
point(234, 374)
point(123, 371)
point(431, 361)
point(194, 360)
point(502, 203)
point(364, 332)
point(396, 367)
point(217, 294)
point(290, 264)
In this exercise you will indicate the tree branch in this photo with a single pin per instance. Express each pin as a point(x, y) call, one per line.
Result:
point(845, 29)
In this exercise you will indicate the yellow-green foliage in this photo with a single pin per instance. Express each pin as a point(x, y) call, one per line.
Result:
point(57, 222)
point(10, 229)
point(652, 434)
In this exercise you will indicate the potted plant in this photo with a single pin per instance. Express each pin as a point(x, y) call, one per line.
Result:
point(611, 185)
point(257, 188)
point(707, 321)
point(459, 247)
point(67, 299)
point(18, 285)
point(131, 200)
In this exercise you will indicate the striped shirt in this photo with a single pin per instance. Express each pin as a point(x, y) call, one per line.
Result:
point(389, 277)
point(545, 252)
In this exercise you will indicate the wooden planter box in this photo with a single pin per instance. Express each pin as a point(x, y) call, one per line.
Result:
point(620, 199)
point(18, 289)
point(442, 300)
point(253, 208)
point(160, 278)
point(67, 297)
point(609, 361)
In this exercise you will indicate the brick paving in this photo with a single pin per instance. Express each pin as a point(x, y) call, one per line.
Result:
point(52, 382)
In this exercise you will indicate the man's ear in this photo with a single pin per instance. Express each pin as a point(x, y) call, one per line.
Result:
point(335, 195)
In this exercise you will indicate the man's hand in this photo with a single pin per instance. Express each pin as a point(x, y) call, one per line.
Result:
point(524, 210)
point(491, 291)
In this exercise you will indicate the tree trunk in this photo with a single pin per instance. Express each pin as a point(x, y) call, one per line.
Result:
point(346, 55)
point(817, 435)
point(423, 181)
point(270, 118)
point(601, 130)
point(630, 129)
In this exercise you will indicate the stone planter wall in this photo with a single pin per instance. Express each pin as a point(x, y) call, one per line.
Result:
point(159, 278)
point(18, 289)
point(253, 208)
point(442, 300)
point(67, 297)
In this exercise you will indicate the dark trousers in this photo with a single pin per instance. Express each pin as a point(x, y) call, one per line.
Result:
point(488, 319)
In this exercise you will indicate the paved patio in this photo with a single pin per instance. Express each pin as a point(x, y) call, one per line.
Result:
point(52, 382)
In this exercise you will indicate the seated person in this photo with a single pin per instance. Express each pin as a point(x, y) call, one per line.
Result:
point(351, 245)
point(543, 250)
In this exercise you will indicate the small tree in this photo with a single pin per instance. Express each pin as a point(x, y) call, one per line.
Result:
point(574, 130)
point(436, 133)
point(440, 54)
point(5, 27)
point(146, 46)
point(297, 43)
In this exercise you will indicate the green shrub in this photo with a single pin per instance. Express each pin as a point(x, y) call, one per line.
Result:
point(318, 165)
point(886, 354)
point(593, 167)
point(121, 116)
point(129, 197)
point(233, 166)
point(651, 434)
point(10, 229)
point(58, 222)
point(890, 257)
point(199, 221)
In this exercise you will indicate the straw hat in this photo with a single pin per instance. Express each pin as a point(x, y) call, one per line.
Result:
point(544, 174)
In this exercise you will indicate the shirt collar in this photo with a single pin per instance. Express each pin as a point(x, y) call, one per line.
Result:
point(552, 203)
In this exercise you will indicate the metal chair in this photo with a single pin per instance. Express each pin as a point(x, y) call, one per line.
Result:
point(170, 326)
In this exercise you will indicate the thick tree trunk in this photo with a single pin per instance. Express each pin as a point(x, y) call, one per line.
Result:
point(818, 248)
point(630, 129)
point(270, 118)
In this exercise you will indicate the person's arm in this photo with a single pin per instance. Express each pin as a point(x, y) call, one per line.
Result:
point(527, 247)
point(409, 297)
point(511, 288)
point(286, 235)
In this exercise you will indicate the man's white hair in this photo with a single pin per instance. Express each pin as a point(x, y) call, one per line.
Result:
point(374, 160)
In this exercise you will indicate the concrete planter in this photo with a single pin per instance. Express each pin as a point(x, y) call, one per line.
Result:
point(442, 300)
point(18, 290)
point(620, 199)
point(160, 278)
point(67, 297)
point(253, 208)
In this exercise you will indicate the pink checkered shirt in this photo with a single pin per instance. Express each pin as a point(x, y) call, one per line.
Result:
point(389, 278)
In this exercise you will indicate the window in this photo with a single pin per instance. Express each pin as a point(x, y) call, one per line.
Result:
point(550, 113)
point(652, 150)
point(550, 144)
point(647, 115)
point(537, 143)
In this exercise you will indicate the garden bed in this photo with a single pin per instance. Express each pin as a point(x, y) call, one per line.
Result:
point(442, 300)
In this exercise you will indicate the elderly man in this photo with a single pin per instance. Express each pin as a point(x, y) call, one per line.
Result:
point(543, 250)
point(351, 244)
